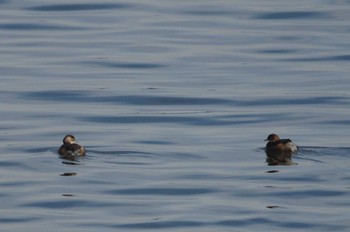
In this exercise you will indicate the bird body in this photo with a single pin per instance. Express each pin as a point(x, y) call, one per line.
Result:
point(275, 146)
point(70, 148)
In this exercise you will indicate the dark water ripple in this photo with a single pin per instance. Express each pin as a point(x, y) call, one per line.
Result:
point(79, 7)
point(163, 191)
point(161, 225)
point(123, 65)
point(34, 27)
point(299, 194)
point(320, 59)
point(277, 51)
point(210, 12)
point(67, 203)
point(315, 193)
point(172, 102)
point(271, 222)
point(248, 223)
point(187, 120)
point(86, 96)
point(18, 219)
point(292, 15)
point(82, 96)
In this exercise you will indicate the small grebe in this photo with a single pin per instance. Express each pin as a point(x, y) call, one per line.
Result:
point(71, 149)
point(277, 146)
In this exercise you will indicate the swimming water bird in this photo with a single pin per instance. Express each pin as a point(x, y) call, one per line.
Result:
point(70, 149)
point(277, 146)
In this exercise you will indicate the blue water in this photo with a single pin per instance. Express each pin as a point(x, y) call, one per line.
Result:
point(172, 100)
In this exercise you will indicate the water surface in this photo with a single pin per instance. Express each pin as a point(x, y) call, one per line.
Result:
point(173, 101)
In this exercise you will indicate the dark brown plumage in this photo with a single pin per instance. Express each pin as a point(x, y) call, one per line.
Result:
point(277, 146)
point(70, 149)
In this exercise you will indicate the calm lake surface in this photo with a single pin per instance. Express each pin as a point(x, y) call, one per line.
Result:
point(172, 100)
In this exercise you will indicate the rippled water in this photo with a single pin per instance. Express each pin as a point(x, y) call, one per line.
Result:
point(173, 100)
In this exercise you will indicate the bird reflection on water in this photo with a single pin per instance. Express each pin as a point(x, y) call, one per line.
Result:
point(279, 159)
